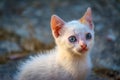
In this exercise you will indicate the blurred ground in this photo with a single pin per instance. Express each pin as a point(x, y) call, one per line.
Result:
point(25, 29)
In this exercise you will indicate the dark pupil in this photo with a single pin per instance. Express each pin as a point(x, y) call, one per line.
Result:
point(88, 36)
point(72, 39)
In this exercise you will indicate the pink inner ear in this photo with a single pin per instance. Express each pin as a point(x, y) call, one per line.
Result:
point(87, 18)
point(56, 24)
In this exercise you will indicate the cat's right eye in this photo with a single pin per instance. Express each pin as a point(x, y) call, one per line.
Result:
point(72, 39)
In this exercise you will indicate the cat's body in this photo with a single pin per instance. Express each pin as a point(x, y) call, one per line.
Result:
point(51, 67)
point(70, 59)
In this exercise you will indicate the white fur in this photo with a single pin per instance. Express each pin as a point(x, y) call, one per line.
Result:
point(62, 63)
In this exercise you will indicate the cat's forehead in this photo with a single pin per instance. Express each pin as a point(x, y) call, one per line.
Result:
point(76, 27)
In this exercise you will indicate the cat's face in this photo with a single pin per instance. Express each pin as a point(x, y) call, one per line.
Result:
point(75, 36)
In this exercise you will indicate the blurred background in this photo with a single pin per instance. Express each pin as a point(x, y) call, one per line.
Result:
point(25, 30)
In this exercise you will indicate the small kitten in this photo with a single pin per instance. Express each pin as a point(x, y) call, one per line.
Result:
point(70, 59)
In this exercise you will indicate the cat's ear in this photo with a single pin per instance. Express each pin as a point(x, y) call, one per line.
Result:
point(87, 18)
point(56, 24)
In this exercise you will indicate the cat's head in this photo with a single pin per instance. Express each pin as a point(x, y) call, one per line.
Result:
point(76, 36)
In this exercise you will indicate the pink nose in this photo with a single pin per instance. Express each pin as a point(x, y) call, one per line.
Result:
point(83, 46)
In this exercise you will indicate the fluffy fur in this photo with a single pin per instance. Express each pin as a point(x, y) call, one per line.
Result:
point(65, 61)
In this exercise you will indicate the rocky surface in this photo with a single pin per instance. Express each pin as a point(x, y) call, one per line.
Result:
point(25, 29)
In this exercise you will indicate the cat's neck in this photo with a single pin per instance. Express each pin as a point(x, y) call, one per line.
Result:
point(75, 64)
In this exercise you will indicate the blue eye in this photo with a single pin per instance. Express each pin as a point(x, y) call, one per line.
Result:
point(88, 36)
point(72, 39)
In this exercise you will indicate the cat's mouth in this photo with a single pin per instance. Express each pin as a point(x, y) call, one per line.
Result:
point(83, 50)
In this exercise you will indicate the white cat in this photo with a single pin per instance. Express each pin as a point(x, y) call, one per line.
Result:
point(70, 59)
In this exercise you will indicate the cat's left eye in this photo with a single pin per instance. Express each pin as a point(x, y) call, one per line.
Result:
point(72, 39)
point(88, 36)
